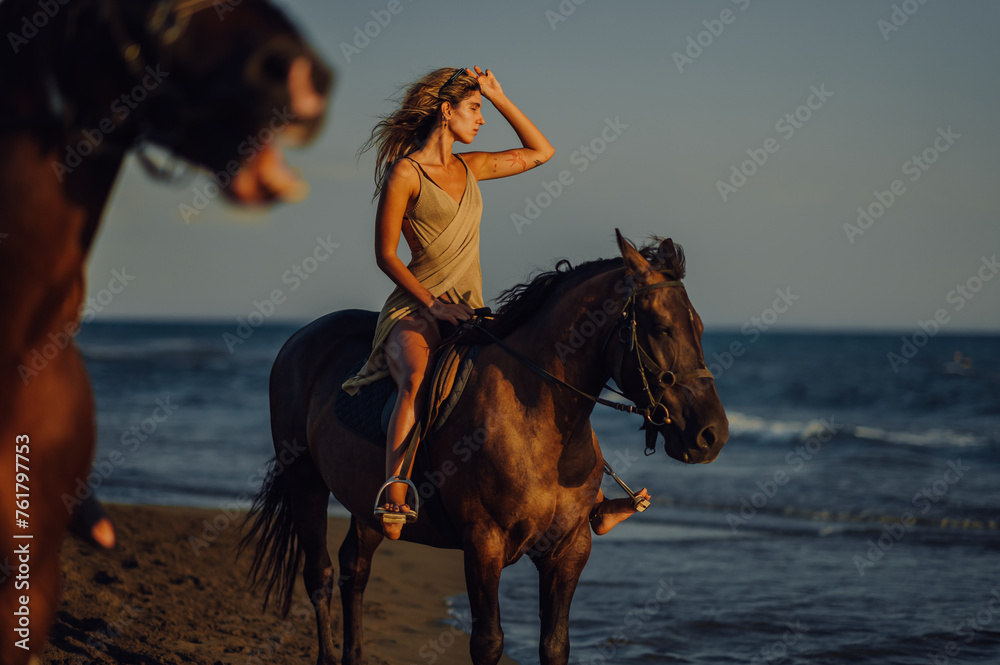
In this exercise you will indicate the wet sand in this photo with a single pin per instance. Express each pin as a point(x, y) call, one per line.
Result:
point(154, 600)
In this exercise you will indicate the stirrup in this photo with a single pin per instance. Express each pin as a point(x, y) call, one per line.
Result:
point(391, 516)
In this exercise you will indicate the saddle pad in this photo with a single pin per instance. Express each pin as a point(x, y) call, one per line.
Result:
point(362, 412)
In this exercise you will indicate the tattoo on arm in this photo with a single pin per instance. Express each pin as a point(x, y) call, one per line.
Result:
point(537, 162)
point(516, 160)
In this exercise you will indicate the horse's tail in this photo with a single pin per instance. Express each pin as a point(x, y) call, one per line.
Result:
point(277, 552)
point(292, 502)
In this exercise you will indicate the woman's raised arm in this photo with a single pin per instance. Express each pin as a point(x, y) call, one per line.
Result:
point(536, 151)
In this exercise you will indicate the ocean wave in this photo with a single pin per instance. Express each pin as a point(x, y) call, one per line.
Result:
point(935, 437)
point(742, 424)
point(151, 348)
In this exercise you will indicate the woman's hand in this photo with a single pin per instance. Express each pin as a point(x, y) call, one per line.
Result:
point(452, 313)
point(488, 84)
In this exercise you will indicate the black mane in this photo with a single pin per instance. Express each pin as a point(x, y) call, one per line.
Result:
point(519, 302)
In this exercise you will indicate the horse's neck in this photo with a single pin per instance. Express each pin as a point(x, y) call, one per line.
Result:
point(566, 335)
point(46, 230)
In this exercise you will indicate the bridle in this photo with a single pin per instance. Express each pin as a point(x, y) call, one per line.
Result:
point(646, 365)
point(163, 25)
point(627, 345)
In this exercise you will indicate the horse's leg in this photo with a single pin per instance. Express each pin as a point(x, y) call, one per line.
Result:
point(355, 566)
point(558, 575)
point(309, 499)
point(482, 580)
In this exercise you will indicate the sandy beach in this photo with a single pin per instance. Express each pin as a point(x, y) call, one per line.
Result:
point(154, 601)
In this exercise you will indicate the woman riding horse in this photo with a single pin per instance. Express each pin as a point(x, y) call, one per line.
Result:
point(431, 196)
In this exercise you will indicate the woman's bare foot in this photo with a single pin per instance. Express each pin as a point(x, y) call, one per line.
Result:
point(390, 527)
point(397, 510)
point(608, 513)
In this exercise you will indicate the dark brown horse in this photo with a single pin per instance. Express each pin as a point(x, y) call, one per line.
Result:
point(84, 81)
point(516, 467)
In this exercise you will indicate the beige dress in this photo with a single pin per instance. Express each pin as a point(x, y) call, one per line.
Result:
point(447, 263)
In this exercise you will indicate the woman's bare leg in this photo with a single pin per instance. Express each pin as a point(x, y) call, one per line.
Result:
point(408, 352)
point(608, 513)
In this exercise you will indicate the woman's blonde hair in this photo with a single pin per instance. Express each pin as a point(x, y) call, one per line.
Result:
point(404, 130)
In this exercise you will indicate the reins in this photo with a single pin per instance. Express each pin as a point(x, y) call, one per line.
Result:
point(627, 334)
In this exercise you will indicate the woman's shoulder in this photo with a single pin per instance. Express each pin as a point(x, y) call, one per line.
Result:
point(403, 169)
point(402, 180)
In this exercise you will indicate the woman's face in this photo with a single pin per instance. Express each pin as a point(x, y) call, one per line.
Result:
point(467, 117)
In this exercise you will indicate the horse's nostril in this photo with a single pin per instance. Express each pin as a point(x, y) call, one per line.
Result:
point(275, 67)
point(706, 437)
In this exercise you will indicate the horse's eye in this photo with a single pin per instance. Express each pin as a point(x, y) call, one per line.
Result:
point(664, 331)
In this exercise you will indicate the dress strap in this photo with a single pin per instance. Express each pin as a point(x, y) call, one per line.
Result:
point(419, 167)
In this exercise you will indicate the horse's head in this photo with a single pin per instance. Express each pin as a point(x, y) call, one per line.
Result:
point(220, 83)
point(662, 365)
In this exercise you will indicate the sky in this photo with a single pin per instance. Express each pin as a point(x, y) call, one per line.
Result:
point(750, 132)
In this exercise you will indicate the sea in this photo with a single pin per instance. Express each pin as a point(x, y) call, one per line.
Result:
point(852, 517)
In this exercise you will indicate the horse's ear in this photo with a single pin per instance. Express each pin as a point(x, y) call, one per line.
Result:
point(634, 261)
point(667, 252)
